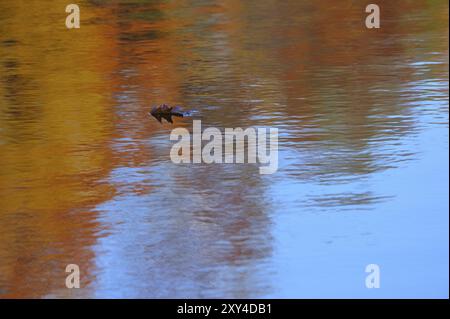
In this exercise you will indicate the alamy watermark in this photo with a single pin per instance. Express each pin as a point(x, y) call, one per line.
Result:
point(73, 19)
point(372, 20)
point(73, 279)
point(373, 277)
point(227, 146)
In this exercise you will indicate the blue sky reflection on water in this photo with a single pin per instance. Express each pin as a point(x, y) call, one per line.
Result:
point(322, 235)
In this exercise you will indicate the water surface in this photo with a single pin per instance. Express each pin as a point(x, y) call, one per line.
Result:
point(86, 177)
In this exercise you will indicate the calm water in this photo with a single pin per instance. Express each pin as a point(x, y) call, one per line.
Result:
point(86, 178)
